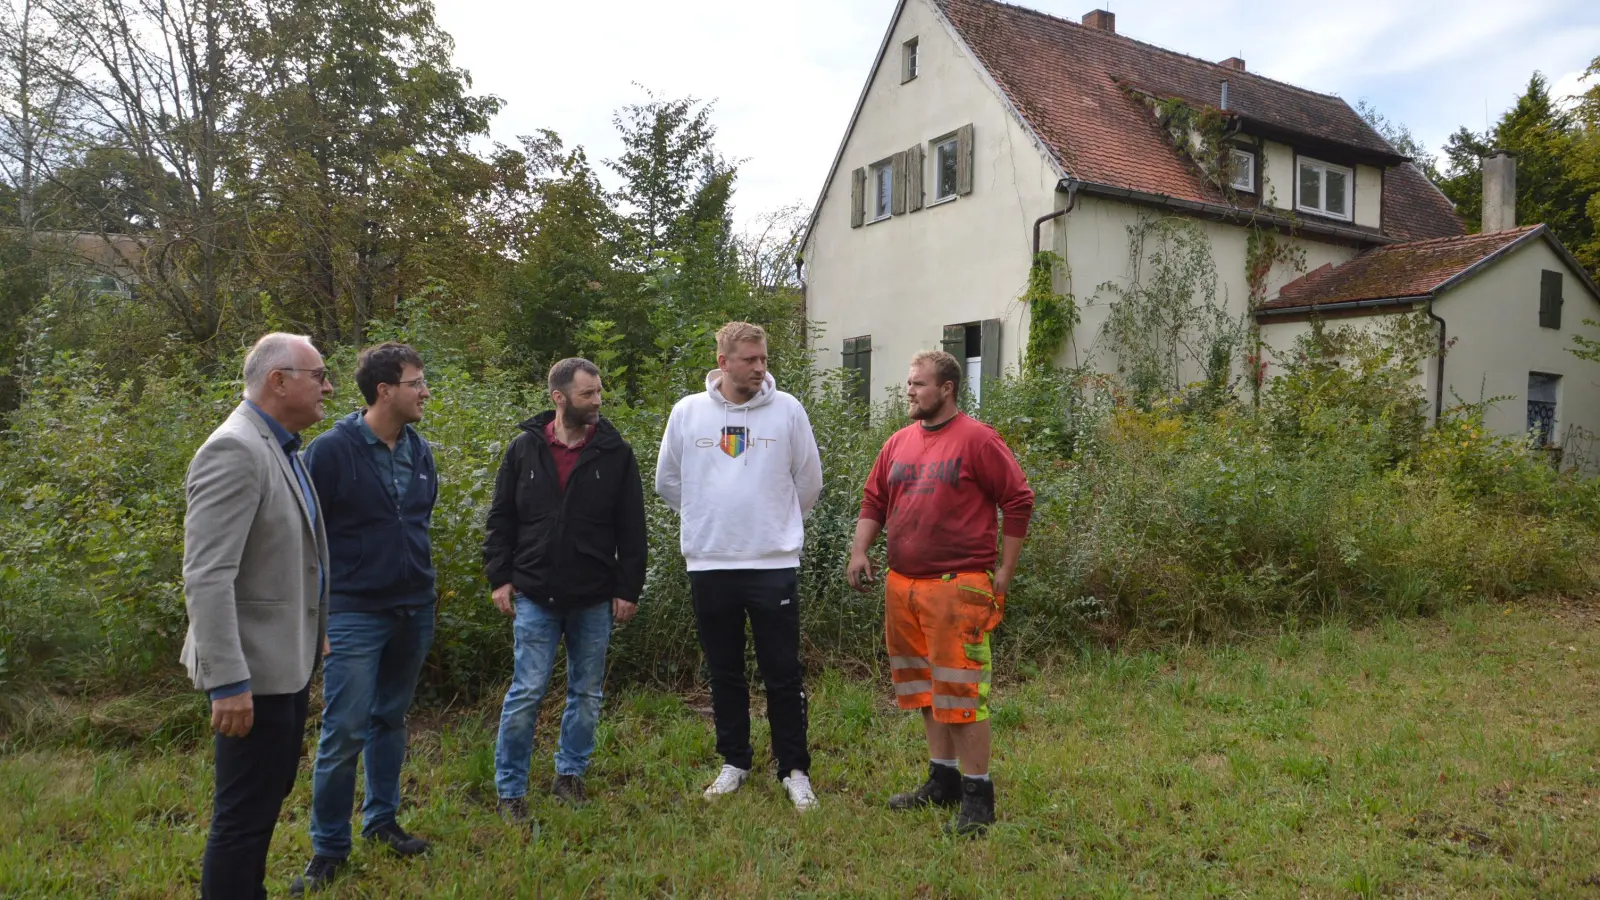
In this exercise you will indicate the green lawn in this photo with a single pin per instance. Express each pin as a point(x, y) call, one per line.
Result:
point(1449, 757)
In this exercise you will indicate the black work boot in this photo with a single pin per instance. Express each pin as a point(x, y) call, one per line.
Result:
point(513, 809)
point(391, 835)
point(318, 873)
point(977, 808)
point(569, 789)
point(943, 788)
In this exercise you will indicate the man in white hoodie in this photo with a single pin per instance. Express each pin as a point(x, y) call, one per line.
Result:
point(739, 464)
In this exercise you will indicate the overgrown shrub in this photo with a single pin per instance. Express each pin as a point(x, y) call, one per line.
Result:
point(1176, 519)
point(1338, 379)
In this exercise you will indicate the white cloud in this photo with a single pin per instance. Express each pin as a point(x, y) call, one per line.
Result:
point(785, 77)
point(1566, 88)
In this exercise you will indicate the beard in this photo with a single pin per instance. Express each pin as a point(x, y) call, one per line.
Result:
point(920, 413)
point(579, 418)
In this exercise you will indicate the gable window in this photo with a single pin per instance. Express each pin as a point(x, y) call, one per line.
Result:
point(1542, 391)
point(1325, 189)
point(908, 60)
point(882, 181)
point(1242, 170)
point(1550, 299)
point(946, 156)
point(879, 191)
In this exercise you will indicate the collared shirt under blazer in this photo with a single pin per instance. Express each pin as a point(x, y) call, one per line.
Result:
point(252, 559)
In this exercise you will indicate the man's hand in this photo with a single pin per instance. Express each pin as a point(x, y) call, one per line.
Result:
point(233, 716)
point(327, 648)
point(1002, 583)
point(622, 610)
point(860, 572)
point(502, 599)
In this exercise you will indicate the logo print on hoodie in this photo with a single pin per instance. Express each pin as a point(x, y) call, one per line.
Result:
point(733, 440)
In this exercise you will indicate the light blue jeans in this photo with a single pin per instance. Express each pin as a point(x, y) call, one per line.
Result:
point(367, 683)
point(539, 632)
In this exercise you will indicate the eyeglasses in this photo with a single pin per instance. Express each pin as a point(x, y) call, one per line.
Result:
point(320, 375)
point(418, 383)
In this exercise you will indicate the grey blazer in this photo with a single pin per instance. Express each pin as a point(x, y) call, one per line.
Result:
point(250, 558)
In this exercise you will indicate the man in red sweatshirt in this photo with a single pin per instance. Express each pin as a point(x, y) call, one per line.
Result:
point(935, 487)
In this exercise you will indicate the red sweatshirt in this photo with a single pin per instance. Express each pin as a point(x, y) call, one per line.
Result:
point(935, 491)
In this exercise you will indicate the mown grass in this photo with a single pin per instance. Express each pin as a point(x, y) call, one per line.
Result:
point(1457, 756)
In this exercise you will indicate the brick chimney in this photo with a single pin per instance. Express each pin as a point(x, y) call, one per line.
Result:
point(1234, 63)
point(1105, 21)
point(1499, 191)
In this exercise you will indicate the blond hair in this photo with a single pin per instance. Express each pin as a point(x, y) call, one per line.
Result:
point(731, 335)
point(945, 367)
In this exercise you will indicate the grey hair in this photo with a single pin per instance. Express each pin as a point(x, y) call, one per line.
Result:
point(274, 350)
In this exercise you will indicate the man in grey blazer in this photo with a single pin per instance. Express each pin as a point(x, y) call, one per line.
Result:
point(255, 562)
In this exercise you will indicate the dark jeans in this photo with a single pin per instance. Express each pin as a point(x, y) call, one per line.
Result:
point(723, 598)
point(367, 683)
point(254, 775)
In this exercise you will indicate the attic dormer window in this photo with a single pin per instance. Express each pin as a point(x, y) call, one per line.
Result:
point(1242, 170)
point(1324, 189)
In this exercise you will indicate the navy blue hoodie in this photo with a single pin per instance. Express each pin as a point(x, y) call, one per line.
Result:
point(379, 553)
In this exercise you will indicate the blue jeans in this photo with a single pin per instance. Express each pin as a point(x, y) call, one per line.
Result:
point(367, 683)
point(538, 633)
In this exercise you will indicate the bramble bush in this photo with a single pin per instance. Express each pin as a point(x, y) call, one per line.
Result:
point(1174, 520)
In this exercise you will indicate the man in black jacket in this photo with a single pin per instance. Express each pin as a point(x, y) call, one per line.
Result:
point(565, 555)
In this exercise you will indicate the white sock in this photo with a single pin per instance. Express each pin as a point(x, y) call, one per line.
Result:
point(947, 763)
point(983, 777)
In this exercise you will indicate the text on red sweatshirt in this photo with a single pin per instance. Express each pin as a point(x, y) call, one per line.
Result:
point(936, 490)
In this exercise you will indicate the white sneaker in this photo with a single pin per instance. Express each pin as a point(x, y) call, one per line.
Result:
point(730, 779)
point(798, 784)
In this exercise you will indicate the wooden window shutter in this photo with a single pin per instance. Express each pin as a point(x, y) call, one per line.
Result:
point(897, 193)
point(858, 363)
point(914, 166)
point(955, 341)
point(989, 341)
point(1549, 299)
point(964, 160)
point(858, 197)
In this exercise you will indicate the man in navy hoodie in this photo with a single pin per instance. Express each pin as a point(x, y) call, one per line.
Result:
point(377, 482)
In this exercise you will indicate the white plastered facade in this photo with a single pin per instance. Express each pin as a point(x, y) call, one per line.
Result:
point(1492, 320)
point(902, 279)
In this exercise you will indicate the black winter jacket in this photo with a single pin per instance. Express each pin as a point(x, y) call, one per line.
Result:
point(568, 548)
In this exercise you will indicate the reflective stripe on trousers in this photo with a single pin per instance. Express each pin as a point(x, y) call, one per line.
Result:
point(961, 676)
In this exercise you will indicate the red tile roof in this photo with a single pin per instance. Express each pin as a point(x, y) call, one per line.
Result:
point(1397, 271)
point(1415, 210)
point(1072, 85)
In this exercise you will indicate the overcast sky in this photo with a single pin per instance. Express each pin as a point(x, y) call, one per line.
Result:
point(785, 76)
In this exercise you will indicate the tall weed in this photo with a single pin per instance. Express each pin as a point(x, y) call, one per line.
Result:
point(1175, 520)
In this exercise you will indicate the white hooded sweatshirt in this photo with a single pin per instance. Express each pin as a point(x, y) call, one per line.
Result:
point(742, 477)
